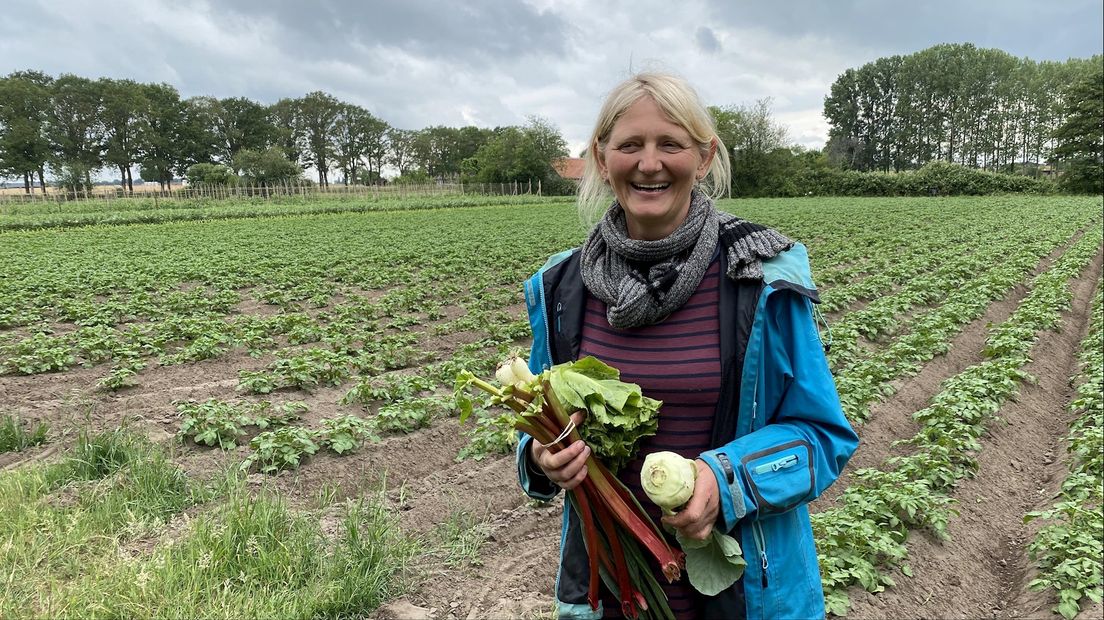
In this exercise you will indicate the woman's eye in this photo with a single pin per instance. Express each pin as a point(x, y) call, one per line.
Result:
point(672, 146)
point(628, 147)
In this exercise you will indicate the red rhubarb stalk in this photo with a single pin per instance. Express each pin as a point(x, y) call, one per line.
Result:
point(594, 550)
point(621, 570)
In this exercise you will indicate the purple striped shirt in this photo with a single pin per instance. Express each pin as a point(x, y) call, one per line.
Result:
point(676, 361)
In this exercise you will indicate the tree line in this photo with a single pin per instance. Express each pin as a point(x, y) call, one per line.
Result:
point(980, 108)
point(950, 104)
point(74, 126)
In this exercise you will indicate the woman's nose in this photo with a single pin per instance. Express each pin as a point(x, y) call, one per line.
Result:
point(649, 161)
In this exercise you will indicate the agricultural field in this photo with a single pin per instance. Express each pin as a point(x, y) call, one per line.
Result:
point(244, 409)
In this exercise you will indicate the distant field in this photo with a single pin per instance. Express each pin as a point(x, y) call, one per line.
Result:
point(329, 332)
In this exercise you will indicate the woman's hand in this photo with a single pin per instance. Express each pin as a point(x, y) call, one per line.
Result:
point(566, 468)
point(696, 519)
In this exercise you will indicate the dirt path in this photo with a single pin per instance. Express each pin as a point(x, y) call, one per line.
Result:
point(983, 570)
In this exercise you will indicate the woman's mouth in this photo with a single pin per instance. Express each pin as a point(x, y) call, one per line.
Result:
point(650, 187)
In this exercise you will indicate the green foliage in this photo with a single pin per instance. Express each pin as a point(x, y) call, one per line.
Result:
point(490, 435)
point(344, 434)
point(284, 448)
point(17, 434)
point(619, 417)
point(868, 531)
point(950, 102)
point(265, 168)
point(38, 354)
point(409, 415)
point(210, 174)
point(519, 154)
point(215, 422)
point(1081, 146)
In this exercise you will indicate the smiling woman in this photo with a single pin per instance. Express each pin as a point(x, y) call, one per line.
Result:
point(666, 135)
point(675, 294)
point(652, 163)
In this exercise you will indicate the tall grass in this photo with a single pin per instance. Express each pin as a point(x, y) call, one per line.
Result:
point(102, 534)
point(17, 435)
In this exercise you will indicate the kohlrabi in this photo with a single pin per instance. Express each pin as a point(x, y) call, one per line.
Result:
point(712, 564)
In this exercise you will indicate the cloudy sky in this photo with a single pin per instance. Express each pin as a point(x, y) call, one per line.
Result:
point(417, 63)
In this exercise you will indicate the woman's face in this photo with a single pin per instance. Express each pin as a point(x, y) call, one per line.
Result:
point(652, 163)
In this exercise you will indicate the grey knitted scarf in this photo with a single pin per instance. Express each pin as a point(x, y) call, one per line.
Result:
point(643, 282)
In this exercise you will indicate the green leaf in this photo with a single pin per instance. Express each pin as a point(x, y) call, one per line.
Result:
point(712, 564)
point(1068, 609)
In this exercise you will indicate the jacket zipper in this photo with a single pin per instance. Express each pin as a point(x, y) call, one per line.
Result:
point(754, 404)
point(782, 463)
point(761, 541)
point(547, 332)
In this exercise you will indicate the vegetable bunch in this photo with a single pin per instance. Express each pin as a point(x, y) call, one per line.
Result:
point(615, 526)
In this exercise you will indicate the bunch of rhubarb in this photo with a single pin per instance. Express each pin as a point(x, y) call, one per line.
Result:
point(618, 416)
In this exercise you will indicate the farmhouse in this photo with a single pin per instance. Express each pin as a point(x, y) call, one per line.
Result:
point(570, 168)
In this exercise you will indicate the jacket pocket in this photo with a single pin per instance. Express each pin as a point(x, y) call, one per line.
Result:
point(780, 477)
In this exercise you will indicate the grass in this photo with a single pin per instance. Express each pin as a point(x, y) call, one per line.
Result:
point(462, 536)
point(90, 536)
point(16, 435)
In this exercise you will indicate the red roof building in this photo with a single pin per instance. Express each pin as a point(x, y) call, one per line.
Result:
point(570, 168)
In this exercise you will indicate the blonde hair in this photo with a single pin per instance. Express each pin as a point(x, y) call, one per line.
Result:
point(681, 104)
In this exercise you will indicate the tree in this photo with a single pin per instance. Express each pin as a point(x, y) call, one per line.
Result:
point(24, 109)
point(519, 154)
point(123, 103)
point(289, 133)
point(76, 128)
point(751, 135)
point(359, 137)
point(400, 149)
point(241, 123)
point(1081, 137)
point(199, 142)
point(319, 112)
point(980, 108)
point(163, 120)
point(439, 151)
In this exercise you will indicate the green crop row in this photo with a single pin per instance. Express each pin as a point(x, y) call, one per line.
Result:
point(866, 534)
point(1069, 547)
point(867, 378)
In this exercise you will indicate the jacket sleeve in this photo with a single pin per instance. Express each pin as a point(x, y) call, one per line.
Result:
point(806, 440)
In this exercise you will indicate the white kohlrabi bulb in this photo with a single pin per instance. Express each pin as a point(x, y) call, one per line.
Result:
point(668, 479)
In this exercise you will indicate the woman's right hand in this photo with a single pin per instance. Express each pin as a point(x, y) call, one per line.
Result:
point(566, 468)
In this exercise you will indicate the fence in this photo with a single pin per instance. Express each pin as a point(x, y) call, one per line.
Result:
point(226, 192)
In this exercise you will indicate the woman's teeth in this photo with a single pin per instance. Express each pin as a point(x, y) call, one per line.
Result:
point(654, 187)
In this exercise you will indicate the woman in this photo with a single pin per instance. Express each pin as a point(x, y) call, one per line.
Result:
point(711, 314)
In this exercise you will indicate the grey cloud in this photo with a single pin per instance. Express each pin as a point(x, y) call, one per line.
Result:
point(707, 41)
point(1038, 30)
point(476, 33)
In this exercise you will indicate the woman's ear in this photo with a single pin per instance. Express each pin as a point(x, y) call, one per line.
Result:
point(708, 158)
point(600, 159)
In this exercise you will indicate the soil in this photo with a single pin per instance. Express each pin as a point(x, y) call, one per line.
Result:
point(982, 572)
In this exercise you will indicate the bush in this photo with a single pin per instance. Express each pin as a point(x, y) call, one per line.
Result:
point(935, 178)
point(265, 168)
point(210, 174)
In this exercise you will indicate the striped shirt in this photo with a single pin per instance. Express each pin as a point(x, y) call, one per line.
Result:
point(676, 361)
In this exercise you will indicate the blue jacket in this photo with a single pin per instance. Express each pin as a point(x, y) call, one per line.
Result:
point(780, 437)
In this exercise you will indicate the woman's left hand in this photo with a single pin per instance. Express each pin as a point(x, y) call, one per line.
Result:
point(696, 519)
